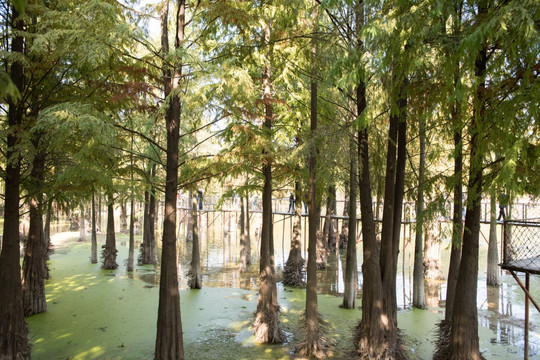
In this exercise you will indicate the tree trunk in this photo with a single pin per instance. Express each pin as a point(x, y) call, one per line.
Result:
point(432, 256)
point(463, 341)
point(13, 332)
point(419, 299)
point(343, 236)
point(243, 239)
point(457, 216)
point(144, 244)
point(376, 335)
point(195, 275)
point(329, 229)
point(371, 341)
point(47, 231)
point(293, 272)
point(247, 233)
point(93, 257)
point(34, 270)
point(493, 254)
point(131, 250)
point(190, 220)
point(322, 245)
point(399, 190)
point(34, 263)
point(109, 249)
point(351, 267)
point(151, 256)
point(314, 345)
point(99, 213)
point(266, 325)
point(123, 217)
point(148, 246)
point(82, 224)
point(387, 239)
point(169, 338)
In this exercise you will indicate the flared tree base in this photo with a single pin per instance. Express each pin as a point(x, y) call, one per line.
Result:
point(315, 346)
point(388, 345)
point(109, 258)
point(293, 273)
point(443, 346)
point(267, 327)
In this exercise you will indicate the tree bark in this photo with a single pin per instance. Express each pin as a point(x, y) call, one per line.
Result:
point(344, 235)
point(247, 233)
point(243, 237)
point(329, 229)
point(390, 288)
point(432, 256)
point(13, 332)
point(376, 335)
point(131, 255)
point(351, 267)
point(371, 340)
point(99, 213)
point(293, 272)
point(109, 249)
point(387, 239)
point(190, 220)
point(463, 341)
point(123, 217)
point(267, 325)
point(144, 244)
point(148, 247)
point(131, 249)
point(47, 230)
point(457, 216)
point(169, 338)
point(195, 275)
point(493, 253)
point(34, 270)
point(82, 224)
point(314, 345)
point(419, 299)
point(93, 256)
point(34, 265)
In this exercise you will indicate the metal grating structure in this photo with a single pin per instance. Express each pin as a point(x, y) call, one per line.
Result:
point(521, 246)
point(521, 253)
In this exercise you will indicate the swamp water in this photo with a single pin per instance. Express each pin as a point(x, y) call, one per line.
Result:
point(110, 314)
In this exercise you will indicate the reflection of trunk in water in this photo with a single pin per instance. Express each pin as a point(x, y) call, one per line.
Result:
point(493, 307)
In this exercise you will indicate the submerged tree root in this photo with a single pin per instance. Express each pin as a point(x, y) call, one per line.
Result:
point(109, 257)
point(443, 348)
point(267, 327)
point(442, 341)
point(389, 347)
point(293, 273)
point(194, 278)
point(316, 345)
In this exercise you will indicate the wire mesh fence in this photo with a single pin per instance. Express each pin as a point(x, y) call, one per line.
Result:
point(522, 246)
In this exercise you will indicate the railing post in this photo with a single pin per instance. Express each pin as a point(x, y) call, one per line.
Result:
point(526, 352)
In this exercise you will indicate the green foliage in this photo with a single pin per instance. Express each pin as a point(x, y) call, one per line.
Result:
point(7, 88)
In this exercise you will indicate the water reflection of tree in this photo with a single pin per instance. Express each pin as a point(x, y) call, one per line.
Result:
point(493, 296)
point(328, 278)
